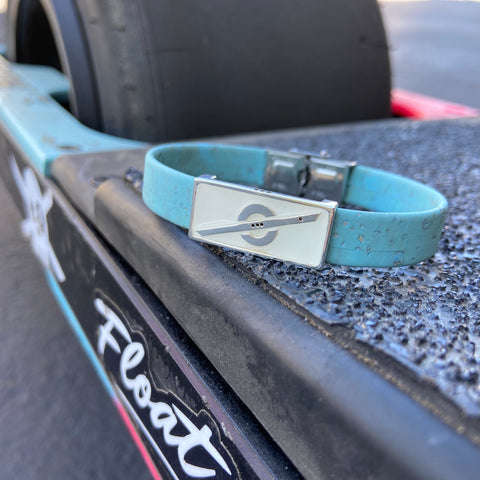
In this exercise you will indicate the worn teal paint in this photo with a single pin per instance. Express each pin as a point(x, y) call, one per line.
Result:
point(40, 127)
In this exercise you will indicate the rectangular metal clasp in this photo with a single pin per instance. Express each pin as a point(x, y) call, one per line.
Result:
point(284, 172)
point(307, 174)
point(327, 178)
point(260, 222)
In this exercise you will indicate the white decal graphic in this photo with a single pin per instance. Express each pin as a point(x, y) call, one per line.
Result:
point(35, 225)
point(163, 416)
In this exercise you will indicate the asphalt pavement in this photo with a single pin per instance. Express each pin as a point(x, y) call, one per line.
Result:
point(56, 421)
point(435, 48)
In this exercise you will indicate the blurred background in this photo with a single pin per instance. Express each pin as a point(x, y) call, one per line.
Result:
point(435, 47)
point(56, 421)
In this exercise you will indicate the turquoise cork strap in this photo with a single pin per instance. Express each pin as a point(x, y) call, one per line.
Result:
point(402, 226)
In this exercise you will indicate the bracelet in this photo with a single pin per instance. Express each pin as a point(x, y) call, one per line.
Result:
point(402, 226)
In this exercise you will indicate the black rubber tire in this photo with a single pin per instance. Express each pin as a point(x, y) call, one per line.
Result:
point(175, 69)
point(49, 32)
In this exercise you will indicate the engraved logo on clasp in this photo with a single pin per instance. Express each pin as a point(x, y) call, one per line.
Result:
point(260, 222)
point(257, 225)
point(257, 220)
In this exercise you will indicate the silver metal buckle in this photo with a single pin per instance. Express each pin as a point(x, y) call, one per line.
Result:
point(307, 174)
point(261, 222)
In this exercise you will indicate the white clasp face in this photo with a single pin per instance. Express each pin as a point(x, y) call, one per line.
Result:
point(263, 223)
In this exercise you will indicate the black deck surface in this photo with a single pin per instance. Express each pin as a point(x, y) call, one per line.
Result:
point(425, 316)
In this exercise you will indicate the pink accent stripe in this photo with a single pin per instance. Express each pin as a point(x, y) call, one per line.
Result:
point(138, 441)
point(423, 107)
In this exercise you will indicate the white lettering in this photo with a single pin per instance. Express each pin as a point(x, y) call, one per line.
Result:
point(105, 331)
point(131, 358)
point(162, 416)
point(142, 391)
point(195, 438)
